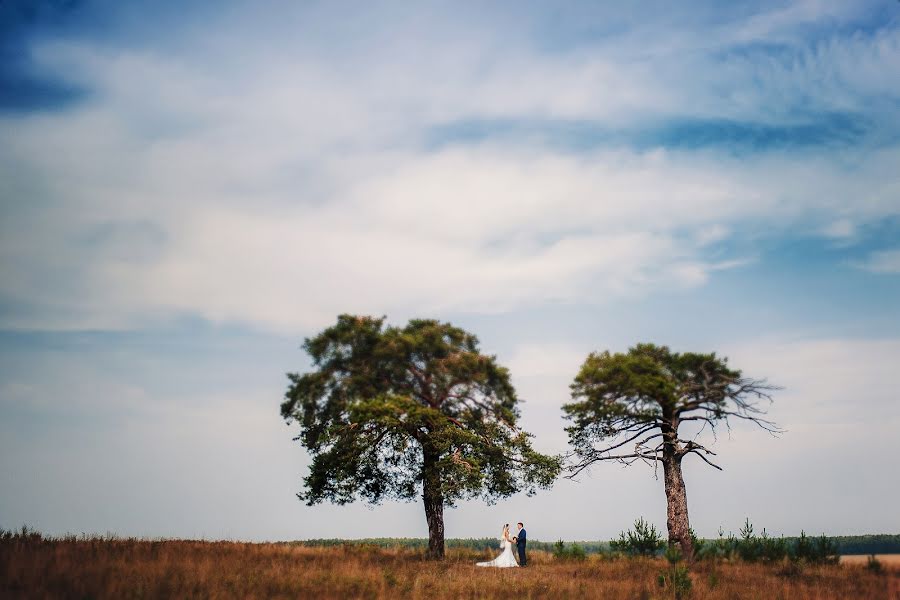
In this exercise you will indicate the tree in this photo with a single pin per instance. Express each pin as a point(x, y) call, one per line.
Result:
point(640, 399)
point(392, 412)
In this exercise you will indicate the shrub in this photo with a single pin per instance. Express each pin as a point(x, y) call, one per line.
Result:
point(700, 546)
point(643, 540)
point(772, 549)
point(721, 547)
point(748, 547)
point(802, 547)
point(826, 551)
point(575, 552)
point(820, 550)
point(676, 578)
point(752, 548)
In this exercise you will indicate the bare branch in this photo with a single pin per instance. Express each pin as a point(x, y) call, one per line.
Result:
point(706, 460)
point(633, 437)
point(626, 459)
point(692, 447)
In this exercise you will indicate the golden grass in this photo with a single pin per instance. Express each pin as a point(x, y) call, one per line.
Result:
point(110, 568)
point(861, 559)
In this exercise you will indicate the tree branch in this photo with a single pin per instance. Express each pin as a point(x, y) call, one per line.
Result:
point(692, 447)
point(627, 459)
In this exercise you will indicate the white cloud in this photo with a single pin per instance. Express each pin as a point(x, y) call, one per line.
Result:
point(292, 187)
point(883, 261)
point(841, 230)
point(558, 359)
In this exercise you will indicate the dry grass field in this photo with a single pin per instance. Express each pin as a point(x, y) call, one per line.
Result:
point(862, 559)
point(113, 568)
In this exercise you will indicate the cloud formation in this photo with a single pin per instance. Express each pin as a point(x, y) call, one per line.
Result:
point(279, 184)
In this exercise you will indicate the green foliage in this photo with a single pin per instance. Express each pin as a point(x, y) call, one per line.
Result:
point(715, 549)
point(616, 393)
point(699, 545)
point(478, 544)
point(867, 544)
point(672, 554)
point(820, 550)
point(574, 552)
point(712, 579)
point(722, 547)
point(824, 551)
point(751, 547)
point(642, 540)
point(677, 577)
point(386, 408)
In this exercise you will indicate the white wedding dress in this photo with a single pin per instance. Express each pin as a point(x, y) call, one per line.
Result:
point(506, 558)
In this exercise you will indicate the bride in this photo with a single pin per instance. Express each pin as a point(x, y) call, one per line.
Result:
point(506, 558)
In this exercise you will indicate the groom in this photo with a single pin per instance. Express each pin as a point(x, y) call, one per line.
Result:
point(521, 539)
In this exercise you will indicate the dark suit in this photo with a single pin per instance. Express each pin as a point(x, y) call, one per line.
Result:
point(521, 540)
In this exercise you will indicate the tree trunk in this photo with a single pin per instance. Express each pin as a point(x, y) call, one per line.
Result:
point(434, 504)
point(676, 506)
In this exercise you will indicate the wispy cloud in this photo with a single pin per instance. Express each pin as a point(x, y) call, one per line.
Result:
point(883, 261)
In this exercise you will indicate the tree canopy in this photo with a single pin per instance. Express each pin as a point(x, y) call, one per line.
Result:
point(390, 412)
point(630, 406)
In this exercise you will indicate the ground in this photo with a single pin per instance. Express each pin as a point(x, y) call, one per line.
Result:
point(112, 568)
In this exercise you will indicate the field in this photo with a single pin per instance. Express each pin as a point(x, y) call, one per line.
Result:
point(119, 568)
point(861, 559)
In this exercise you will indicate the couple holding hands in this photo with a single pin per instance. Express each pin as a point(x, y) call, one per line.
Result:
point(506, 558)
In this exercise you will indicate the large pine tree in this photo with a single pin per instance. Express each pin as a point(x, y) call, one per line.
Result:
point(397, 412)
point(629, 407)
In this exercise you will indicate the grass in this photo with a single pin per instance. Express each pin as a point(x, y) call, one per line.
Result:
point(32, 566)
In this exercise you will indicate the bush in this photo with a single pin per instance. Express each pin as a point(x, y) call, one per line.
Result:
point(772, 549)
point(677, 577)
point(643, 540)
point(700, 546)
point(575, 552)
point(721, 547)
point(762, 548)
point(820, 550)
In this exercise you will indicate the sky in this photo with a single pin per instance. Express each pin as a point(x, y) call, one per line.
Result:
point(189, 189)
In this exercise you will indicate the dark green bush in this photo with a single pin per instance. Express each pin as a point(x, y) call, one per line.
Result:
point(574, 552)
point(820, 550)
point(750, 547)
point(643, 540)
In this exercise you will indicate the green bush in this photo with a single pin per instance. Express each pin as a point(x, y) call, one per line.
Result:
point(643, 540)
point(750, 547)
point(820, 550)
point(700, 545)
point(676, 578)
point(574, 552)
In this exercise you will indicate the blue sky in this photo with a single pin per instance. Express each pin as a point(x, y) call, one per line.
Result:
point(190, 189)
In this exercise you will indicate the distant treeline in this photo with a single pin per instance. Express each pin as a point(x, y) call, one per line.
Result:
point(422, 543)
point(881, 543)
point(846, 544)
